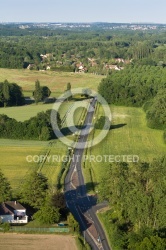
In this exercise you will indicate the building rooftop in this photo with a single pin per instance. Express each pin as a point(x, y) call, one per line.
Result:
point(8, 207)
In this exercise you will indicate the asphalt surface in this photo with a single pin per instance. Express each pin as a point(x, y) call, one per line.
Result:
point(82, 206)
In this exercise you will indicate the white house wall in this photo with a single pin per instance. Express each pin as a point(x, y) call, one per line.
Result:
point(20, 211)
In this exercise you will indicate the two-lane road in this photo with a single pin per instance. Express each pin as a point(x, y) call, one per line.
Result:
point(77, 200)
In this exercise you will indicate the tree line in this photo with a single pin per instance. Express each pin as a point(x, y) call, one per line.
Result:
point(36, 128)
point(139, 86)
point(11, 94)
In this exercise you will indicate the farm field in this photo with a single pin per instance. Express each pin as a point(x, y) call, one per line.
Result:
point(18, 158)
point(37, 242)
point(129, 136)
point(22, 113)
point(56, 81)
point(13, 153)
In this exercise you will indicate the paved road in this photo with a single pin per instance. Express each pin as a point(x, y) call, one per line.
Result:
point(79, 203)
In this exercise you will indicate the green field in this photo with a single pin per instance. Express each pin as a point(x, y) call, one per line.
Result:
point(129, 136)
point(18, 158)
point(22, 113)
point(56, 81)
point(13, 153)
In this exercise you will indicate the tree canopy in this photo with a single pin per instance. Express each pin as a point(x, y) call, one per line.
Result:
point(34, 189)
point(10, 94)
point(5, 189)
point(41, 92)
point(136, 196)
point(36, 128)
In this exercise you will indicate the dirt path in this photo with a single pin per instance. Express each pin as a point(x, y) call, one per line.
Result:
point(10, 241)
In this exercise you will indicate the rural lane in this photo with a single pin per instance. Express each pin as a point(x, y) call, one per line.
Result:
point(82, 206)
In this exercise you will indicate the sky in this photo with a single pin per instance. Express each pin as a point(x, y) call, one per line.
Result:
point(153, 11)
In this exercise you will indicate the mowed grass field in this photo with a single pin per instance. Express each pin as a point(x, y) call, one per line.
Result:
point(13, 161)
point(37, 242)
point(129, 136)
point(22, 113)
point(56, 81)
point(14, 153)
point(19, 157)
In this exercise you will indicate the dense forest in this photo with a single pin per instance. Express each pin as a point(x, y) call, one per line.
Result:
point(136, 193)
point(95, 49)
point(139, 86)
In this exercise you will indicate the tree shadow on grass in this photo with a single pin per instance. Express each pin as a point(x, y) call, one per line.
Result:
point(90, 186)
point(116, 126)
point(70, 130)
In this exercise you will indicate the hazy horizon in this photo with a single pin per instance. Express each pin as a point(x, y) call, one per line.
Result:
point(54, 11)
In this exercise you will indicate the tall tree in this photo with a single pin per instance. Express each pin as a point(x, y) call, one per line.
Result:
point(58, 200)
point(34, 189)
point(47, 214)
point(6, 93)
point(45, 91)
point(68, 94)
point(5, 189)
point(37, 94)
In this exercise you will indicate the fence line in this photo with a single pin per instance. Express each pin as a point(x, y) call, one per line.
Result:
point(39, 229)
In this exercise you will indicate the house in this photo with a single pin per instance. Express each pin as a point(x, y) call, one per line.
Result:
point(119, 60)
point(81, 68)
point(13, 212)
point(92, 62)
point(30, 66)
point(113, 67)
point(48, 67)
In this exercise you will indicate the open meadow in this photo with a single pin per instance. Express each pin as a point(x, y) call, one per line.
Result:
point(37, 242)
point(129, 135)
point(22, 113)
point(56, 81)
point(19, 157)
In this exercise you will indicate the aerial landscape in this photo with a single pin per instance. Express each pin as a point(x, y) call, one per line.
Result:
point(83, 125)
